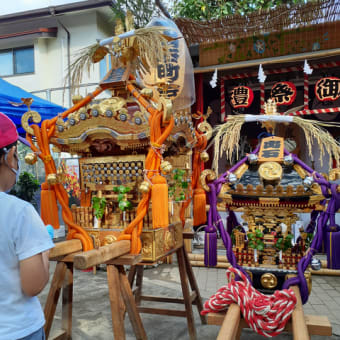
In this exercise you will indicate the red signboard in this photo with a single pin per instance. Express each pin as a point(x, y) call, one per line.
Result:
point(241, 96)
point(283, 92)
point(327, 88)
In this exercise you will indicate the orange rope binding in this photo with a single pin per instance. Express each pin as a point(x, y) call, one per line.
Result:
point(43, 136)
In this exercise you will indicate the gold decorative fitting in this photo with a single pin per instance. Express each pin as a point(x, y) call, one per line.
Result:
point(207, 175)
point(270, 171)
point(147, 93)
point(334, 174)
point(27, 117)
point(204, 156)
point(60, 175)
point(31, 158)
point(165, 105)
point(205, 128)
point(145, 187)
point(76, 99)
point(270, 107)
point(52, 179)
point(109, 239)
point(166, 167)
point(268, 280)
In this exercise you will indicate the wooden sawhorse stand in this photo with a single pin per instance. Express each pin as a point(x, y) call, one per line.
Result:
point(186, 274)
point(120, 294)
point(300, 325)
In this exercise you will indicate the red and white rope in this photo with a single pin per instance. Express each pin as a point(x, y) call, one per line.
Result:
point(265, 314)
point(305, 91)
point(223, 110)
point(262, 98)
point(314, 111)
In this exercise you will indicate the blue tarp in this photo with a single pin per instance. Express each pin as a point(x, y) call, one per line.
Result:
point(12, 94)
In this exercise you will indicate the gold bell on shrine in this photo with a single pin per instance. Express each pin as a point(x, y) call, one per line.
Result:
point(204, 156)
point(60, 175)
point(52, 179)
point(145, 187)
point(166, 167)
point(31, 158)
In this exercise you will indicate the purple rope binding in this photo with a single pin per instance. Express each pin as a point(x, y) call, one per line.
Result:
point(215, 223)
point(329, 214)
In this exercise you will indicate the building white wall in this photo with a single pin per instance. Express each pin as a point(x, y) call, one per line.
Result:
point(51, 56)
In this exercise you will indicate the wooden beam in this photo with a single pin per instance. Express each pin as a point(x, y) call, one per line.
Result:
point(316, 324)
point(299, 327)
point(268, 61)
point(230, 323)
point(65, 247)
point(101, 255)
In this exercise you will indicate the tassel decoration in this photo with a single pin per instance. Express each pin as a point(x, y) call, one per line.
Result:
point(48, 206)
point(200, 215)
point(210, 247)
point(160, 203)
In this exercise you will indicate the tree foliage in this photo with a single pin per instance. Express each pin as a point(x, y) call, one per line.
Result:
point(215, 9)
point(143, 10)
point(26, 187)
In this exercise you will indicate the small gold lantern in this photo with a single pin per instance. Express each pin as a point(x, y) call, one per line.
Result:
point(166, 167)
point(31, 158)
point(52, 179)
point(145, 187)
point(204, 156)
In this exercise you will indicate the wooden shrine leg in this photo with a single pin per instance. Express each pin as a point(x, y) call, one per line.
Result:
point(114, 295)
point(67, 299)
point(186, 294)
point(194, 286)
point(130, 304)
point(53, 295)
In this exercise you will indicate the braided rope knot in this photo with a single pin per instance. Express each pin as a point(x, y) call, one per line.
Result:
point(265, 314)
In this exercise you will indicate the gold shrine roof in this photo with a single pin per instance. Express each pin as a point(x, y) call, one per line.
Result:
point(114, 124)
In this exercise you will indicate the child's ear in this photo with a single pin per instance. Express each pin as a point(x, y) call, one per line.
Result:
point(11, 159)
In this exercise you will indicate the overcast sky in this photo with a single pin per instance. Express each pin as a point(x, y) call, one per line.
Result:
point(14, 6)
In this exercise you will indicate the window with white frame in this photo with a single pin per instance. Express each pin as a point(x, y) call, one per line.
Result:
point(17, 61)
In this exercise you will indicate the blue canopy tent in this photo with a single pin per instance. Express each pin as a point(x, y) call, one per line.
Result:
point(12, 94)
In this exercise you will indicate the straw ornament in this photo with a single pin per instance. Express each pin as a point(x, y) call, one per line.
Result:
point(144, 48)
point(227, 135)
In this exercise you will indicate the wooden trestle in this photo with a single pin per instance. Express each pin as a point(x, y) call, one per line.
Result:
point(122, 298)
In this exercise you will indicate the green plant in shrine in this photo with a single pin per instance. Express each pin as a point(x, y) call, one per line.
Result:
point(284, 243)
point(98, 204)
point(255, 240)
point(123, 203)
point(178, 185)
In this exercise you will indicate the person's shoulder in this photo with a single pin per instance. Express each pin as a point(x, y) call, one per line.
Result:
point(16, 202)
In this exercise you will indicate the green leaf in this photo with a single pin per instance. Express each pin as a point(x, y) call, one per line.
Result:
point(121, 197)
point(184, 185)
point(251, 244)
point(123, 205)
point(251, 236)
point(121, 189)
point(260, 247)
point(115, 189)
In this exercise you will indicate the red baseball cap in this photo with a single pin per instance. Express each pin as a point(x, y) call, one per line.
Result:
point(8, 131)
